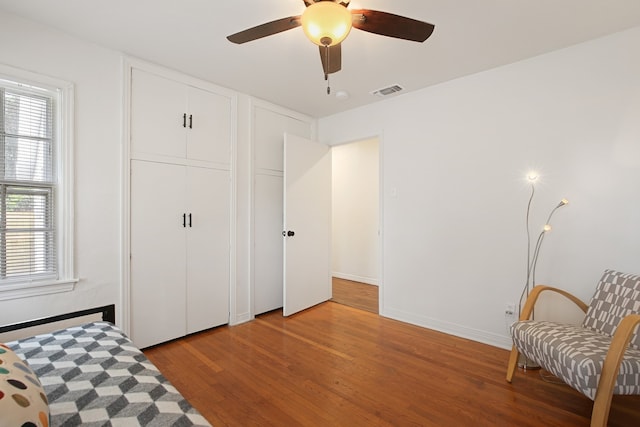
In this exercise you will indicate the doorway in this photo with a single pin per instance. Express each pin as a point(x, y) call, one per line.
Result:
point(356, 224)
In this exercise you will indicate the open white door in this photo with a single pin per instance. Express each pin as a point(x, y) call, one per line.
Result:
point(307, 224)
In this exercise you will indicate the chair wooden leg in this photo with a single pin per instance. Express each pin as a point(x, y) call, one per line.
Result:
point(600, 413)
point(513, 362)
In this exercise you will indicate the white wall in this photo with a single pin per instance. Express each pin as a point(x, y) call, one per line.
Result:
point(355, 216)
point(97, 75)
point(454, 202)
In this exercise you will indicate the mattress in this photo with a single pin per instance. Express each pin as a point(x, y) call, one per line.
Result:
point(93, 375)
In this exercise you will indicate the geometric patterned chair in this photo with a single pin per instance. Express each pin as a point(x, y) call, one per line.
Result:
point(600, 357)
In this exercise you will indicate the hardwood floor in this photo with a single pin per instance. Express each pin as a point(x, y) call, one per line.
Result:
point(340, 366)
point(355, 294)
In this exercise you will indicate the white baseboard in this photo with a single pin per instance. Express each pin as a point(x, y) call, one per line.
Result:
point(496, 340)
point(355, 278)
point(240, 318)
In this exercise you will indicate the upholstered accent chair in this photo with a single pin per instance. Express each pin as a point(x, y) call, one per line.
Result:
point(600, 357)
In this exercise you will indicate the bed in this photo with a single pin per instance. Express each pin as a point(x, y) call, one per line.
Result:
point(91, 374)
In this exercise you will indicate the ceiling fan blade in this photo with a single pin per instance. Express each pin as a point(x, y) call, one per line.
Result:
point(331, 59)
point(390, 25)
point(265, 30)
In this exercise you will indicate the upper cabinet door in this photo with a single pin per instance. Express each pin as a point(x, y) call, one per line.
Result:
point(172, 119)
point(269, 141)
point(158, 108)
point(209, 126)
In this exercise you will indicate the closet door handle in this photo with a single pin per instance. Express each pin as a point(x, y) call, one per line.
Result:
point(184, 220)
point(189, 220)
point(190, 121)
point(184, 120)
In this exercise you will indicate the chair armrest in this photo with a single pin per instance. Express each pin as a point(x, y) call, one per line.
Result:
point(611, 367)
point(535, 293)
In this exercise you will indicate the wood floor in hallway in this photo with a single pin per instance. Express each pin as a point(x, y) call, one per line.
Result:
point(355, 294)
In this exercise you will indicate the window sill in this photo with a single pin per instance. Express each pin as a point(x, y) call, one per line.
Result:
point(23, 290)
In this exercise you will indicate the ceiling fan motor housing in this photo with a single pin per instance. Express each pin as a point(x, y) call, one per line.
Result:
point(326, 23)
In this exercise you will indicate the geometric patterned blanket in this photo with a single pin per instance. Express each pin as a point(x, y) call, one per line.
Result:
point(93, 375)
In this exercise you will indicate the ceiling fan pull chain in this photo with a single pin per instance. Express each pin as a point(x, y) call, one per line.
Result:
point(326, 74)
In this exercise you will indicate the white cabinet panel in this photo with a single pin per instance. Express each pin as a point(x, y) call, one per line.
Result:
point(158, 106)
point(158, 246)
point(268, 243)
point(269, 129)
point(208, 193)
point(209, 133)
point(176, 121)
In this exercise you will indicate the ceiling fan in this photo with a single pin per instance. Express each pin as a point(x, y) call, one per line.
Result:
point(328, 22)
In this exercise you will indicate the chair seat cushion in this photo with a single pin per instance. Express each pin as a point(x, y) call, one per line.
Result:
point(575, 354)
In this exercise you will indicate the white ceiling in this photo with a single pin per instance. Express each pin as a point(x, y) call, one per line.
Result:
point(190, 36)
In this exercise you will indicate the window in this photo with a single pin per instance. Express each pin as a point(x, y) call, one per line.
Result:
point(35, 187)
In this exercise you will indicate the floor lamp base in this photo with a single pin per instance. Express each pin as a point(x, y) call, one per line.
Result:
point(526, 363)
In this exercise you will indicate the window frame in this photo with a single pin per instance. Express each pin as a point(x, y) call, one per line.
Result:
point(63, 93)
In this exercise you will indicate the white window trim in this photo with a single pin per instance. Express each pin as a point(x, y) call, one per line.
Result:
point(65, 215)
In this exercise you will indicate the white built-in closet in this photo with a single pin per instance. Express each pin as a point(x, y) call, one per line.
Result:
point(180, 199)
point(270, 123)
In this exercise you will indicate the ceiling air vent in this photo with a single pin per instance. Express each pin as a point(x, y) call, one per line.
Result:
point(386, 91)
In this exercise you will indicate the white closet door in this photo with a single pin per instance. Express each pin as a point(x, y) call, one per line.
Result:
point(158, 108)
point(307, 224)
point(158, 244)
point(208, 193)
point(209, 127)
point(269, 127)
point(268, 243)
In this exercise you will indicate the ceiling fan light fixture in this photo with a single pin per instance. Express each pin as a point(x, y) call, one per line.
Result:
point(326, 23)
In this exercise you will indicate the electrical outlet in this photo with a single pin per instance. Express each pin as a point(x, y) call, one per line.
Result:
point(510, 309)
point(510, 316)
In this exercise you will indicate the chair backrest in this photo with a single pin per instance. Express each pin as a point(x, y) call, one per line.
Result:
point(617, 295)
